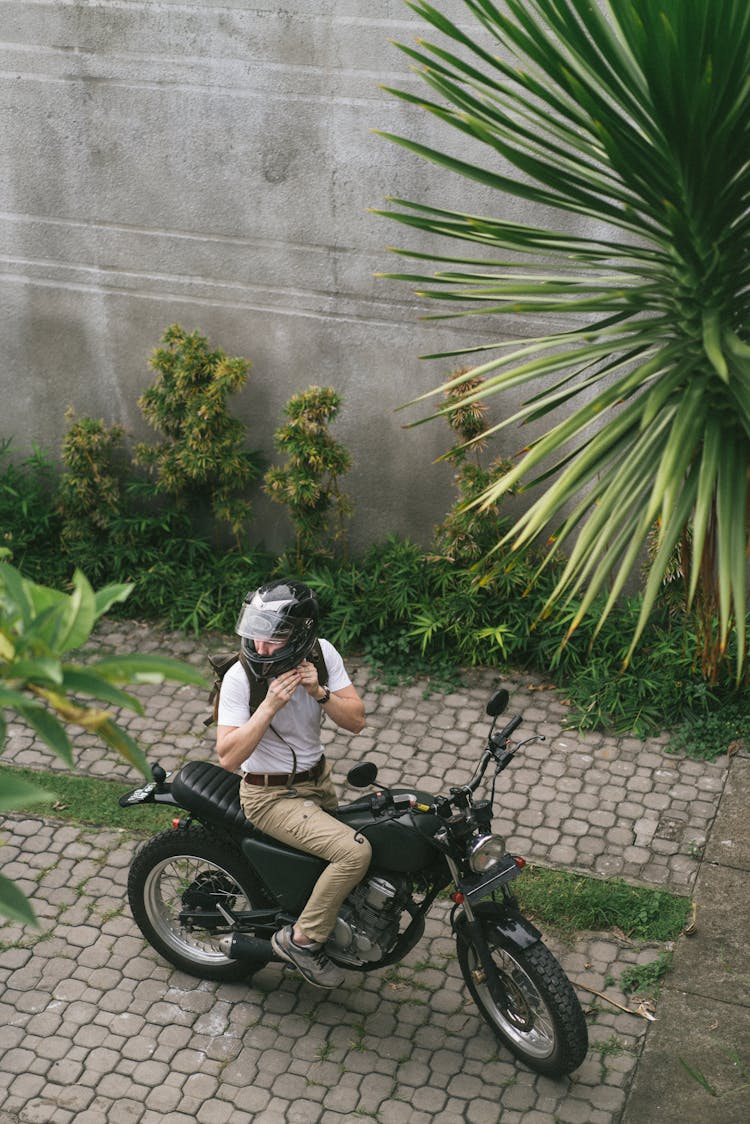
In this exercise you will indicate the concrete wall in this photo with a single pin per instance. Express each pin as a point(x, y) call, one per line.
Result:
point(213, 164)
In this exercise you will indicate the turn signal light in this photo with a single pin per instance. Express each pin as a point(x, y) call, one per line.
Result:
point(520, 863)
point(457, 897)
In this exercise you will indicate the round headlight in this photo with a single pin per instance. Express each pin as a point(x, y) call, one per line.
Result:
point(485, 852)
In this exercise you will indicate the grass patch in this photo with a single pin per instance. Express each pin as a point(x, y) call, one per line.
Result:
point(708, 736)
point(571, 902)
point(646, 979)
point(90, 800)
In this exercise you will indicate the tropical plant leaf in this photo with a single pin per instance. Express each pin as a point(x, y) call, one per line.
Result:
point(110, 595)
point(14, 904)
point(18, 793)
point(147, 669)
point(78, 617)
point(635, 116)
point(118, 739)
point(84, 681)
point(49, 729)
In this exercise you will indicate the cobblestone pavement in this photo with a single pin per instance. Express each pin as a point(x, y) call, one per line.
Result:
point(95, 1027)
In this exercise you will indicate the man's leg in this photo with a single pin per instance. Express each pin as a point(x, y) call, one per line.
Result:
point(301, 823)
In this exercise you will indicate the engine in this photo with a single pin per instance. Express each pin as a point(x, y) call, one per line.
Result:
point(368, 922)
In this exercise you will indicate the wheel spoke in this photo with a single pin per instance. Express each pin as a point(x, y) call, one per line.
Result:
point(167, 885)
point(536, 1034)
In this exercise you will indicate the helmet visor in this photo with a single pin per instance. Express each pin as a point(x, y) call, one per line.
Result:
point(264, 624)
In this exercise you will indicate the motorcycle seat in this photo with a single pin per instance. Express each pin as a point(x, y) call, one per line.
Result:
point(211, 793)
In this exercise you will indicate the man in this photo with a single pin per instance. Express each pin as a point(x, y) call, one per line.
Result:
point(270, 710)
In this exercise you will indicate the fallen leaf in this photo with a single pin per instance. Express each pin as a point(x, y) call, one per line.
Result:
point(692, 926)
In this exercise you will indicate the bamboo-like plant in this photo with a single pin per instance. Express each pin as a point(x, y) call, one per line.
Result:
point(634, 114)
point(308, 486)
point(203, 457)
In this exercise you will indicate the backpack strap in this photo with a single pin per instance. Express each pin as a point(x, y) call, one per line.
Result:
point(220, 665)
point(316, 657)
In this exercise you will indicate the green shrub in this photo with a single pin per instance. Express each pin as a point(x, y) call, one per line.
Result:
point(706, 736)
point(202, 459)
point(29, 522)
point(470, 531)
point(91, 491)
point(308, 487)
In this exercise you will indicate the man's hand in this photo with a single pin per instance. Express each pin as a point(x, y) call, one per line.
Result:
point(281, 689)
point(309, 678)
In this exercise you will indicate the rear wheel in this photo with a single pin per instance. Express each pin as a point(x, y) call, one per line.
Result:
point(538, 1018)
point(183, 871)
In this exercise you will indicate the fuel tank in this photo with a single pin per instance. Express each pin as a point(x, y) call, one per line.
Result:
point(401, 845)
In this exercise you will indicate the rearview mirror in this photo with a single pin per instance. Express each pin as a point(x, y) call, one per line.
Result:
point(498, 703)
point(362, 775)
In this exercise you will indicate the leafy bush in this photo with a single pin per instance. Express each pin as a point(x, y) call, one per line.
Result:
point(470, 531)
point(29, 524)
point(706, 736)
point(308, 487)
point(202, 456)
point(90, 496)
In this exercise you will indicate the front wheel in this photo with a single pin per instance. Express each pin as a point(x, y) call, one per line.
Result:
point(191, 871)
point(539, 1018)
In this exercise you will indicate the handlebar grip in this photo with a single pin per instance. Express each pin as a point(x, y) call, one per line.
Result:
point(511, 727)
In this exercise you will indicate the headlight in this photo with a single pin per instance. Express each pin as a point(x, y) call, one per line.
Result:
point(485, 852)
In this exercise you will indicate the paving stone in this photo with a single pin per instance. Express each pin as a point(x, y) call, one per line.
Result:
point(119, 1037)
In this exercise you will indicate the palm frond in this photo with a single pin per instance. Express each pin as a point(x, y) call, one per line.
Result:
point(634, 114)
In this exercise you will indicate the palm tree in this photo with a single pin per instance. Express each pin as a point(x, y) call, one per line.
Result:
point(634, 114)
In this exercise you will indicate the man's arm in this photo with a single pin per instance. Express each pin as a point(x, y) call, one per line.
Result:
point(235, 743)
point(345, 708)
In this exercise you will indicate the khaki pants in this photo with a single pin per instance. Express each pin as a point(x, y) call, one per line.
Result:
point(302, 821)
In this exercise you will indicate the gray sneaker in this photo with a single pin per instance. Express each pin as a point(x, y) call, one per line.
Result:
point(310, 961)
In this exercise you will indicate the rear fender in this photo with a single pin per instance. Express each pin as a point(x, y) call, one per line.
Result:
point(150, 793)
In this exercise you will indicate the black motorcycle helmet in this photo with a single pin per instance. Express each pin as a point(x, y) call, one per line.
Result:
point(284, 612)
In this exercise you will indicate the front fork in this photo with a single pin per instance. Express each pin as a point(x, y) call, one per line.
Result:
point(486, 972)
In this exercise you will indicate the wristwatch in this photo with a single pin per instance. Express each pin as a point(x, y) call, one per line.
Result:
point(326, 697)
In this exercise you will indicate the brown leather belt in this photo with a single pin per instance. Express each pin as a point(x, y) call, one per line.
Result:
point(272, 780)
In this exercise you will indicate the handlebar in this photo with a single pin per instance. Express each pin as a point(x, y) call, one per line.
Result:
point(496, 751)
point(509, 729)
point(496, 742)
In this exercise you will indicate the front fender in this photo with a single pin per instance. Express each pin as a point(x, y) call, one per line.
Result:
point(508, 921)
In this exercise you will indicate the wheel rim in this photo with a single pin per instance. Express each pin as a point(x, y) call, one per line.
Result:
point(165, 888)
point(526, 1020)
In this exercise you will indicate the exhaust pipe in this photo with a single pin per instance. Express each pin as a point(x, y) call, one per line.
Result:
point(238, 946)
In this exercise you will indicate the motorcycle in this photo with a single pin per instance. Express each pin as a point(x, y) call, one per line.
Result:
point(209, 893)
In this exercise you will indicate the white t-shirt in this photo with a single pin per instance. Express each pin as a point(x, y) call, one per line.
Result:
point(298, 722)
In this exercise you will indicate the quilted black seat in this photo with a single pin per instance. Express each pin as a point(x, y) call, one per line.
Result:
point(212, 793)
